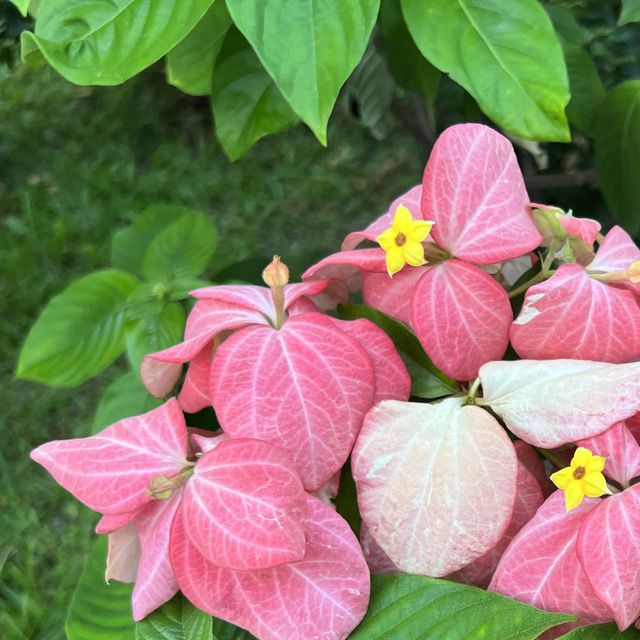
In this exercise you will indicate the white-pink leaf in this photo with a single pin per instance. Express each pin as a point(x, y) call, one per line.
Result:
point(245, 505)
point(378, 561)
point(392, 295)
point(348, 265)
point(427, 478)
point(609, 552)
point(574, 316)
point(616, 253)
point(123, 556)
point(156, 582)
point(411, 200)
point(584, 229)
point(474, 192)
point(621, 450)
point(461, 316)
point(111, 471)
point(549, 403)
point(304, 388)
point(194, 394)
point(325, 595)
point(392, 380)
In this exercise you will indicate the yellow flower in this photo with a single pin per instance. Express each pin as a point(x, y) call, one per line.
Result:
point(582, 478)
point(403, 240)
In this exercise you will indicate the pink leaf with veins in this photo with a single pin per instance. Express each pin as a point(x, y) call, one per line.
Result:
point(111, 471)
point(392, 381)
point(609, 552)
point(573, 316)
point(528, 498)
point(549, 403)
point(541, 565)
point(304, 388)
point(156, 582)
point(392, 295)
point(461, 316)
point(194, 393)
point(616, 253)
point(325, 595)
point(410, 199)
point(378, 561)
point(347, 266)
point(621, 450)
point(583, 228)
point(426, 477)
point(110, 522)
point(245, 506)
point(123, 556)
point(474, 192)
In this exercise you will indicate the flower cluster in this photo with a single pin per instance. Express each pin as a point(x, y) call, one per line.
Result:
point(456, 488)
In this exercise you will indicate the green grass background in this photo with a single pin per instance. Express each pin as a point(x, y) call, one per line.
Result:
point(77, 163)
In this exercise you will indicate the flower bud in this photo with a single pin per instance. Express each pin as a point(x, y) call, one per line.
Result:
point(276, 274)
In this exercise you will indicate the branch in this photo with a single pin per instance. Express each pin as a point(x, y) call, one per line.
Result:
point(584, 178)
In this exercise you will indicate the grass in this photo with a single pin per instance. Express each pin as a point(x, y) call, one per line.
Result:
point(76, 163)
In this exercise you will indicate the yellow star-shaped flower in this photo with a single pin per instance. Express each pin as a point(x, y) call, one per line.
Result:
point(582, 478)
point(402, 241)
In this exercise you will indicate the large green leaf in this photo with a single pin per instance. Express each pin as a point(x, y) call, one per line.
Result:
point(630, 12)
point(178, 619)
point(246, 103)
point(408, 344)
point(80, 332)
point(494, 50)
point(617, 136)
point(309, 47)
point(162, 327)
point(409, 67)
point(99, 611)
point(108, 42)
point(183, 249)
point(190, 64)
point(123, 398)
point(414, 607)
point(225, 631)
point(601, 632)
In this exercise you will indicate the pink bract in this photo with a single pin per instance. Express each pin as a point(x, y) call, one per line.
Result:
point(324, 595)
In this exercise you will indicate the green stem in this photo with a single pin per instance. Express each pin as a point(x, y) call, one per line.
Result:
point(552, 457)
point(539, 277)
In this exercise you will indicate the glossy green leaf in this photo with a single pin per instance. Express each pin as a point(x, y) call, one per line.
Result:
point(99, 611)
point(129, 245)
point(424, 384)
point(246, 103)
point(226, 631)
point(190, 64)
point(157, 330)
point(309, 47)
point(404, 340)
point(494, 50)
point(617, 137)
point(30, 53)
point(409, 67)
point(183, 249)
point(124, 397)
point(22, 6)
point(415, 607)
point(601, 632)
point(177, 619)
point(566, 25)
point(106, 43)
point(630, 12)
point(80, 332)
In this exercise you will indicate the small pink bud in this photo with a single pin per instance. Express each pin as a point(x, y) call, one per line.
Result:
point(276, 274)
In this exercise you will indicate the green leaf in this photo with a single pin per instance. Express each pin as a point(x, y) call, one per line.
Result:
point(414, 607)
point(123, 398)
point(368, 93)
point(183, 249)
point(309, 47)
point(22, 6)
point(80, 331)
point(601, 632)
point(161, 328)
point(566, 25)
point(190, 64)
point(409, 67)
point(226, 631)
point(494, 50)
point(617, 138)
point(177, 619)
point(630, 12)
point(129, 245)
point(587, 90)
point(30, 53)
point(106, 43)
point(423, 383)
point(404, 340)
point(99, 611)
point(246, 103)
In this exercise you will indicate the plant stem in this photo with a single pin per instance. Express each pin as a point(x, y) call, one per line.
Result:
point(552, 457)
